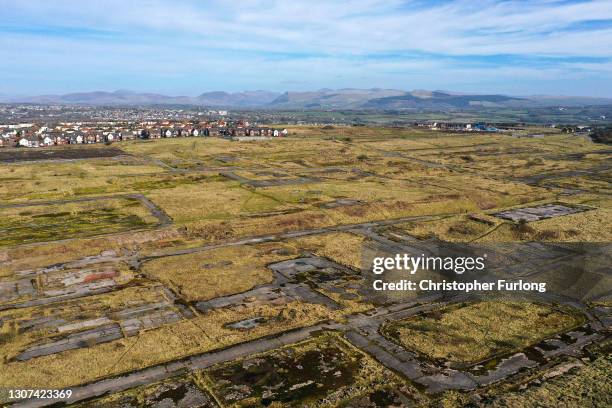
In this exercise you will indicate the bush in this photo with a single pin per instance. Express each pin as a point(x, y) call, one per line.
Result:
point(602, 135)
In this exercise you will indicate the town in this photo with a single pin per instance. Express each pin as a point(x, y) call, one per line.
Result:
point(46, 134)
point(35, 135)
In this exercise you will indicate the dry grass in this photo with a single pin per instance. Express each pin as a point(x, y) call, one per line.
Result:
point(474, 332)
point(589, 226)
point(450, 229)
point(45, 254)
point(38, 181)
point(217, 272)
point(587, 386)
point(341, 247)
point(409, 173)
point(14, 341)
point(165, 343)
point(40, 223)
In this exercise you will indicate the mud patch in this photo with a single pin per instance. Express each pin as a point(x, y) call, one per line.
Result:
point(182, 393)
point(291, 376)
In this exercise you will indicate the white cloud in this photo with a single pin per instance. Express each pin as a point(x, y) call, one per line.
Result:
point(310, 41)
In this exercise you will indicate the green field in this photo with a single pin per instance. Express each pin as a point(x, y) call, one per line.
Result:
point(40, 223)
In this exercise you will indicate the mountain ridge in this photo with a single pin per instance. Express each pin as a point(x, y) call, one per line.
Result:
point(345, 98)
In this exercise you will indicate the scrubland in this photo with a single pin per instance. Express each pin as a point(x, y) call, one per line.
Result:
point(411, 184)
point(470, 333)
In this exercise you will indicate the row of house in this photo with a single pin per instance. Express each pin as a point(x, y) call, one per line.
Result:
point(54, 138)
point(227, 132)
point(460, 127)
point(77, 133)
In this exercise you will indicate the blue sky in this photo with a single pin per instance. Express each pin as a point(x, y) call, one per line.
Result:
point(520, 47)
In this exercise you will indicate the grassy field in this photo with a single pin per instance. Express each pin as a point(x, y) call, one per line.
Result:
point(168, 342)
point(39, 223)
point(586, 386)
point(392, 172)
point(217, 272)
point(314, 178)
point(471, 333)
point(24, 181)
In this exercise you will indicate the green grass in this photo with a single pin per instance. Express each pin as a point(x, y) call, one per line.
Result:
point(42, 223)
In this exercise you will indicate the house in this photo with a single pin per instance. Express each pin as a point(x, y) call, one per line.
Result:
point(29, 141)
point(89, 138)
point(5, 139)
point(127, 134)
point(47, 140)
point(76, 138)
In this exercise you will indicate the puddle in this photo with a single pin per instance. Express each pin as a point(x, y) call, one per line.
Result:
point(534, 354)
point(548, 346)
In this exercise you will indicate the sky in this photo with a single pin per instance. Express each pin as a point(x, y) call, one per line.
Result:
point(186, 47)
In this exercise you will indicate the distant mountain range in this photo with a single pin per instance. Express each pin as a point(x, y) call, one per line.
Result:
point(322, 99)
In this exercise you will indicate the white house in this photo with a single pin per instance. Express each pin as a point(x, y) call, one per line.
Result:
point(48, 140)
point(28, 142)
